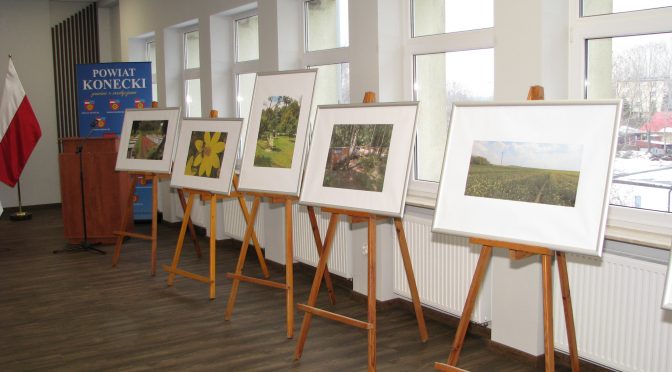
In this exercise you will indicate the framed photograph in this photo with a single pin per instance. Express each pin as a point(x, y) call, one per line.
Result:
point(360, 157)
point(535, 173)
point(147, 140)
point(206, 154)
point(667, 294)
point(275, 142)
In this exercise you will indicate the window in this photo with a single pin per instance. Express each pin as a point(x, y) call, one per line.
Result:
point(598, 7)
point(452, 61)
point(150, 55)
point(431, 17)
point(331, 87)
point(441, 79)
point(247, 38)
point(637, 69)
point(326, 24)
point(191, 75)
point(244, 91)
point(623, 56)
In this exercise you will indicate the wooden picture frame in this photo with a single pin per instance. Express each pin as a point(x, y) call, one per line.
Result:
point(148, 140)
point(206, 154)
point(360, 157)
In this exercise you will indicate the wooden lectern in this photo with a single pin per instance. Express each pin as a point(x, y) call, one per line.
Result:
point(105, 190)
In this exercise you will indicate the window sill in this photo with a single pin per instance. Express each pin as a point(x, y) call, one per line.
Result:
point(640, 227)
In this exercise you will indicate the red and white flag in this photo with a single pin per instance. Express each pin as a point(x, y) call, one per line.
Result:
point(19, 129)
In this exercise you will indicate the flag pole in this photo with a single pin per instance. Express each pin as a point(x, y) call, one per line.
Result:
point(21, 215)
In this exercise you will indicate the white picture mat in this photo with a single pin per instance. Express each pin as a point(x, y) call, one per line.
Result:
point(390, 201)
point(278, 180)
point(172, 114)
point(221, 185)
point(667, 293)
point(579, 229)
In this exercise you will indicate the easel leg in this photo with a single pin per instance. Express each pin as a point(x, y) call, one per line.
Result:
point(569, 312)
point(241, 259)
point(289, 267)
point(479, 273)
point(372, 293)
point(257, 247)
point(155, 217)
point(317, 281)
point(213, 243)
point(410, 276)
point(180, 239)
point(320, 249)
point(124, 223)
point(546, 272)
point(192, 230)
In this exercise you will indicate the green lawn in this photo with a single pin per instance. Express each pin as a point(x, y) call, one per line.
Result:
point(278, 157)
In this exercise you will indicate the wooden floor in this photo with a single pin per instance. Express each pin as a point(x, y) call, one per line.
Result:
point(74, 312)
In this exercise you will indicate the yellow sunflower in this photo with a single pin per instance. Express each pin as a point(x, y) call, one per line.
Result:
point(189, 169)
point(208, 150)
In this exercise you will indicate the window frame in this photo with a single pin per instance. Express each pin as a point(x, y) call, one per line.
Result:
point(420, 192)
point(638, 226)
point(148, 41)
point(238, 17)
point(306, 34)
point(189, 73)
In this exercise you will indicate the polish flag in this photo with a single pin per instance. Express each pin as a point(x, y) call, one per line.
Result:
point(19, 129)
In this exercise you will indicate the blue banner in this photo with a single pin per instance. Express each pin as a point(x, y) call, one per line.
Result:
point(106, 90)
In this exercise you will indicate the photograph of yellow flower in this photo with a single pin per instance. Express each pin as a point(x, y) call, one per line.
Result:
point(205, 154)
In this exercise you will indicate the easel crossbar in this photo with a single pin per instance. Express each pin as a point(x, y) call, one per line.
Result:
point(333, 316)
point(446, 367)
point(186, 274)
point(132, 235)
point(249, 279)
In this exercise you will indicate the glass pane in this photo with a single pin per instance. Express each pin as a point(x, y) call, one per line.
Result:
point(191, 58)
point(331, 87)
point(192, 98)
point(432, 17)
point(151, 55)
point(637, 69)
point(155, 92)
point(247, 39)
point(244, 90)
point(597, 7)
point(326, 24)
point(440, 80)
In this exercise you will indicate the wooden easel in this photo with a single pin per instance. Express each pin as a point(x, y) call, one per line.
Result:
point(172, 270)
point(288, 285)
point(370, 324)
point(123, 231)
point(517, 252)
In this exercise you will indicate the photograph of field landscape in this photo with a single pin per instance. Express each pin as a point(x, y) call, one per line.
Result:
point(277, 132)
point(357, 157)
point(147, 139)
point(527, 172)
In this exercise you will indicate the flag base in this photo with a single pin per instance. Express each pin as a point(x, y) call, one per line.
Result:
point(21, 216)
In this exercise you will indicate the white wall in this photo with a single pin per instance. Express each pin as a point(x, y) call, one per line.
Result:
point(21, 21)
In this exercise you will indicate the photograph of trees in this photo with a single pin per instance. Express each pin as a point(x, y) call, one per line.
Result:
point(357, 157)
point(528, 172)
point(147, 139)
point(277, 132)
point(206, 150)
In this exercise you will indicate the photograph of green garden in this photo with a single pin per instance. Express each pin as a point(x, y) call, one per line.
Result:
point(357, 157)
point(277, 132)
point(147, 140)
point(206, 150)
point(523, 171)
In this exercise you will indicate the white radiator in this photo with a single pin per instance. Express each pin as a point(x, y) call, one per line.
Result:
point(443, 267)
point(340, 259)
point(618, 319)
point(232, 223)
